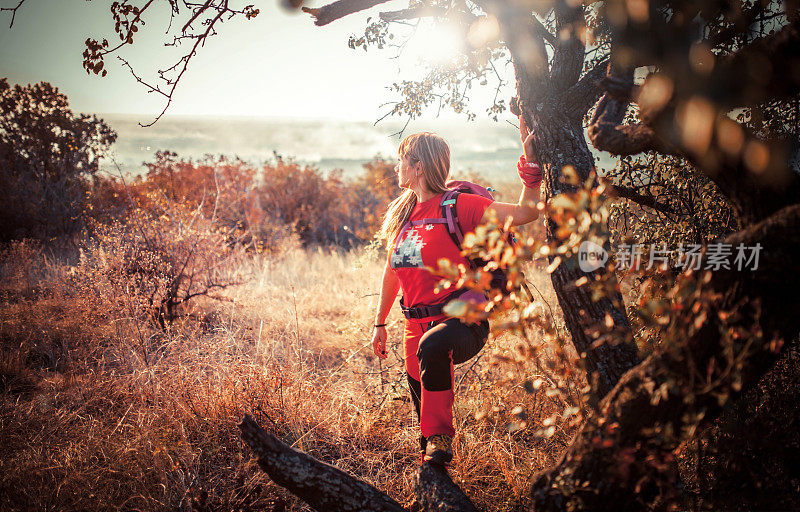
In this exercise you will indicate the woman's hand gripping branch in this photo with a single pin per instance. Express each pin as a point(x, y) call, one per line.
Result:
point(524, 210)
point(530, 173)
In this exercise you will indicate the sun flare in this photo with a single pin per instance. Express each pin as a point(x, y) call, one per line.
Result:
point(434, 43)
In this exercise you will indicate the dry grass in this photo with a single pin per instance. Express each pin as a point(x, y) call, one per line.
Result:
point(98, 412)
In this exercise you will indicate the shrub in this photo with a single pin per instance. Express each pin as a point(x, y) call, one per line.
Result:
point(314, 206)
point(689, 206)
point(149, 265)
point(268, 205)
point(370, 195)
point(48, 155)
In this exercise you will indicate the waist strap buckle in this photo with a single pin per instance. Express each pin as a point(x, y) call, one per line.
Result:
point(425, 311)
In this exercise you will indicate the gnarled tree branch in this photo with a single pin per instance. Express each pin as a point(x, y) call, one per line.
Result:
point(336, 10)
point(606, 129)
point(321, 485)
point(524, 36)
point(569, 51)
point(422, 11)
point(641, 199)
point(773, 61)
point(580, 97)
point(623, 461)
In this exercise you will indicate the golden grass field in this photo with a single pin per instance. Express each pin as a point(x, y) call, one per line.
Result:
point(101, 412)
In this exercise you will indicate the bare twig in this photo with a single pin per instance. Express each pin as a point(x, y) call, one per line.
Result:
point(13, 11)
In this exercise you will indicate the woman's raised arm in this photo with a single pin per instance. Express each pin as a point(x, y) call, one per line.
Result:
point(523, 212)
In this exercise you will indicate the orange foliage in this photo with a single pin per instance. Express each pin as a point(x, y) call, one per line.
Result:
point(267, 203)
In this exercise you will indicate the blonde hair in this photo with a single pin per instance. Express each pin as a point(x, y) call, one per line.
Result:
point(433, 153)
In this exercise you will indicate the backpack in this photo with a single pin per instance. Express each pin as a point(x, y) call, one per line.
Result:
point(450, 215)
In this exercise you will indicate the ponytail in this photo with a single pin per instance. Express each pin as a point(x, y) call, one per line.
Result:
point(433, 153)
point(396, 216)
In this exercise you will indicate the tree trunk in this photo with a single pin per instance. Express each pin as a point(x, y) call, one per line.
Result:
point(560, 142)
point(435, 490)
point(554, 98)
point(734, 465)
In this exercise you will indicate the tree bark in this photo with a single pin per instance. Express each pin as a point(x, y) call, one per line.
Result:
point(623, 457)
point(322, 486)
point(560, 142)
point(754, 195)
point(435, 490)
point(734, 465)
point(339, 9)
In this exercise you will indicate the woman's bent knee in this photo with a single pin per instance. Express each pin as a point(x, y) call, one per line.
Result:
point(434, 346)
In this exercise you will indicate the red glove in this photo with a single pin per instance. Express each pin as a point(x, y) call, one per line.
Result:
point(529, 173)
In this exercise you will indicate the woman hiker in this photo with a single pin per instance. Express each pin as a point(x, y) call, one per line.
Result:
point(417, 237)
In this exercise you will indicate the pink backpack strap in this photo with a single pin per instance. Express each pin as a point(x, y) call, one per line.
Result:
point(450, 214)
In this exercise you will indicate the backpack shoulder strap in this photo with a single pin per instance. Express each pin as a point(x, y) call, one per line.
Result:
point(450, 215)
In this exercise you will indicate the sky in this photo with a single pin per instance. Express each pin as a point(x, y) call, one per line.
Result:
point(278, 64)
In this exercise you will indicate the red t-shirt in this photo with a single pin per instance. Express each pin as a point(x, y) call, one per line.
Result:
point(422, 246)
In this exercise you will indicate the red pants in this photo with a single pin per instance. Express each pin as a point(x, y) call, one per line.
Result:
point(431, 350)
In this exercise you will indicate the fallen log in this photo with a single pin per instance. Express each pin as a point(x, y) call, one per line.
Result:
point(321, 485)
point(435, 490)
point(328, 488)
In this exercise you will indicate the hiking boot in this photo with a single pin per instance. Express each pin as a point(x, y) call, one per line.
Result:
point(439, 449)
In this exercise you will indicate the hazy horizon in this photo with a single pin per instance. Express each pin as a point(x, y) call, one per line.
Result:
point(482, 146)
